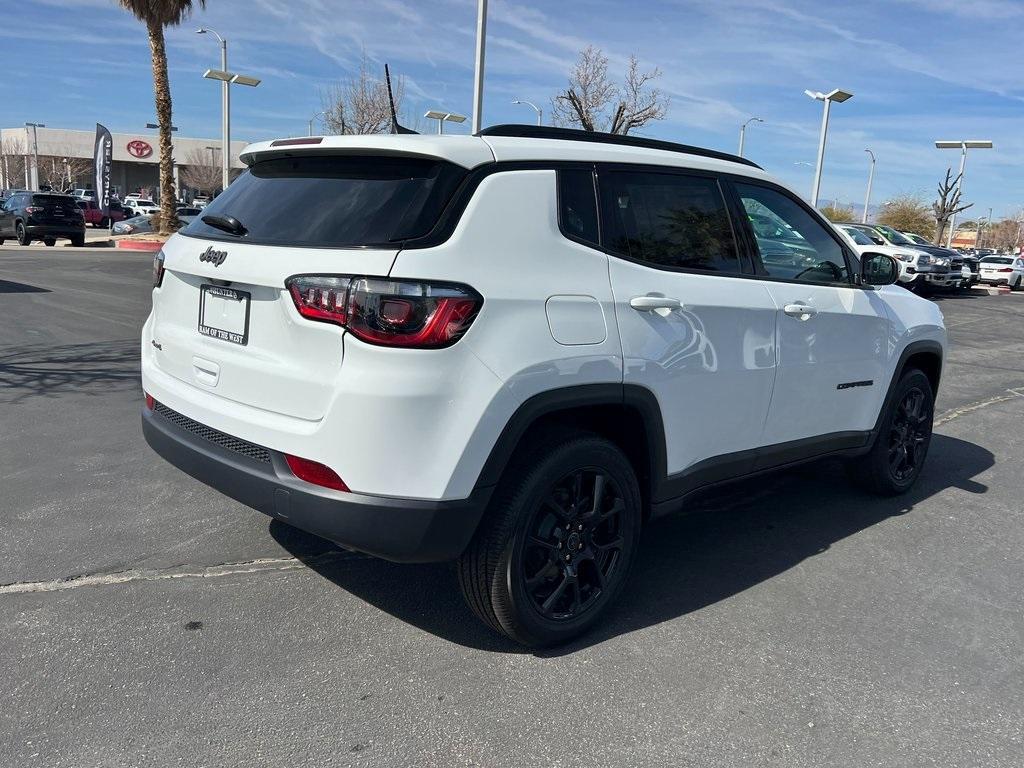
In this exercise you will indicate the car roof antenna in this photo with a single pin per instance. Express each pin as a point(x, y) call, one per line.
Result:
point(395, 127)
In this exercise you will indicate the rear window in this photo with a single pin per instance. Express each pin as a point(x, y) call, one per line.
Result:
point(334, 201)
point(62, 200)
point(997, 260)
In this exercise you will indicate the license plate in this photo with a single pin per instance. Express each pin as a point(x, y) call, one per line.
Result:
point(224, 313)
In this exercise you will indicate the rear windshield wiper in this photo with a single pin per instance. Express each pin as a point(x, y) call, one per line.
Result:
point(228, 224)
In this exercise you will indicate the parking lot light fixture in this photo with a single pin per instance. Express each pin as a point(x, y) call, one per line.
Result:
point(743, 132)
point(963, 145)
point(871, 178)
point(538, 110)
point(226, 77)
point(441, 117)
point(837, 95)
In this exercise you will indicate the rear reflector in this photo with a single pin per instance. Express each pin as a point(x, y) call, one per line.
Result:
point(150, 402)
point(296, 142)
point(315, 473)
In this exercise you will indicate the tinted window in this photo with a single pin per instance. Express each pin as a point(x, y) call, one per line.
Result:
point(669, 220)
point(334, 201)
point(577, 206)
point(63, 201)
point(793, 244)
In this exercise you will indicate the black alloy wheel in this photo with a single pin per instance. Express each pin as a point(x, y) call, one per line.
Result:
point(557, 540)
point(574, 544)
point(909, 433)
point(22, 235)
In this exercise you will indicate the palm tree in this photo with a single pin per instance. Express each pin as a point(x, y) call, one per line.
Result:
point(157, 14)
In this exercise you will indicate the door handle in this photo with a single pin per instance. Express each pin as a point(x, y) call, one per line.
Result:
point(802, 312)
point(650, 303)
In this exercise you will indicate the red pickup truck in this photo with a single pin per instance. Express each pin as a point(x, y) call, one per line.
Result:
point(93, 215)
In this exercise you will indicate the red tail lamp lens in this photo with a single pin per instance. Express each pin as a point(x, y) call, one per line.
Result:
point(316, 473)
point(158, 269)
point(150, 401)
point(394, 313)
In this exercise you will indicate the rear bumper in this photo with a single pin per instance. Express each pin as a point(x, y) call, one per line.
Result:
point(55, 230)
point(402, 530)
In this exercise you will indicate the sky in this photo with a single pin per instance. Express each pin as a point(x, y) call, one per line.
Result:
point(920, 70)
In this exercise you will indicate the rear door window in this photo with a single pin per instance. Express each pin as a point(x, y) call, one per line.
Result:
point(669, 220)
point(334, 201)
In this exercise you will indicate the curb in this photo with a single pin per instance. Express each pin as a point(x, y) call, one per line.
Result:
point(139, 245)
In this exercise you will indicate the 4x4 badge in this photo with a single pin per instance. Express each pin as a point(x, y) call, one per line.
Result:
point(214, 257)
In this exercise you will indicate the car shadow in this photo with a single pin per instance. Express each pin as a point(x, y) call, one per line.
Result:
point(729, 540)
point(6, 286)
point(954, 295)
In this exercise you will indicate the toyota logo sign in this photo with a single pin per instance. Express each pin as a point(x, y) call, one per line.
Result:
point(139, 148)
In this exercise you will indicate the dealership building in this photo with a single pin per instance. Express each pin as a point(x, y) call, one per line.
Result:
point(136, 157)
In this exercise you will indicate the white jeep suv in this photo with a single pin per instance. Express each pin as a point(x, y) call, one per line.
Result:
point(515, 349)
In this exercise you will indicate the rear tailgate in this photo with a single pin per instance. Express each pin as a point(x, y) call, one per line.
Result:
point(287, 364)
point(223, 320)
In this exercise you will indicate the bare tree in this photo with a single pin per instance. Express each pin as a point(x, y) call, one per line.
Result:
point(200, 172)
point(359, 104)
point(594, 103)
point(62, 169)
point(947, 205)
point(13, 162)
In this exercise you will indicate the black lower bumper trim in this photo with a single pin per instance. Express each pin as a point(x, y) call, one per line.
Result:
point(402, 530)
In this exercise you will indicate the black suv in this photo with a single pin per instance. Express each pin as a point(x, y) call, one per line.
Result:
point(28, 216)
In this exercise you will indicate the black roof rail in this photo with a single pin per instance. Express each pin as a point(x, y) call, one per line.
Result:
point(574, 134)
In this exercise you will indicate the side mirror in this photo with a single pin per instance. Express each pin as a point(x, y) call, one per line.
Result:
point(878, 269)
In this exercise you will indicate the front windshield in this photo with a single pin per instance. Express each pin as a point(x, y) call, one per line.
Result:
point(894, 237)
point(857, 236)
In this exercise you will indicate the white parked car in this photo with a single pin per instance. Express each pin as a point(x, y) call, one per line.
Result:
point(514, 349)
point(1002, 270)
point(141, 206)
point(931, 267)
point(907, 257)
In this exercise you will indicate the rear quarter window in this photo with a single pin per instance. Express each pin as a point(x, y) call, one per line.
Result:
point(334, 201)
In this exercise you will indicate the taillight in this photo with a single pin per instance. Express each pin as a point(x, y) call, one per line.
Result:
point(30, 209)
point(158, 269)
point(314, 472)
point(1005, 269)
point(150, 401)
point(394, 313)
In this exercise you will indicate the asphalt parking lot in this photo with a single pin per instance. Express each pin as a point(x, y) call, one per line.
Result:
point(793, 621)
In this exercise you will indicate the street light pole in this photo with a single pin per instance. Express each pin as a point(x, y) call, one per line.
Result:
point(839, 96)
point(536, 109)
point(963, 145)
point(225, 106)
point(871, 178)
point(478, 75)
point(35, 153)
point(743, 132)
point(314, 117)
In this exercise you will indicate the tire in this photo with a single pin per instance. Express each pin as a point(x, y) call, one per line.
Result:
point(897, 456)
point(1016, 285)
point(102, 224)
point(23, 236)
point(78, 241)
point(50, 241)
point(542, 535)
